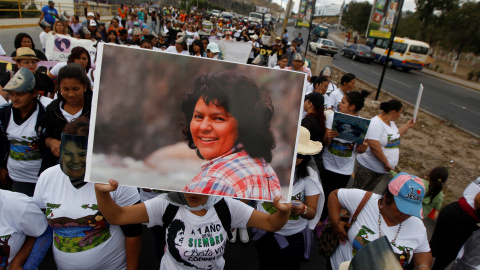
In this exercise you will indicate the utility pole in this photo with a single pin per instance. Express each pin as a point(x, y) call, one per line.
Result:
point(340, 17)
point(310, 28)
point(392, 38)
point(287, 15)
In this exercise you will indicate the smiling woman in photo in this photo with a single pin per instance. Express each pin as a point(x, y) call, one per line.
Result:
point(228, 123)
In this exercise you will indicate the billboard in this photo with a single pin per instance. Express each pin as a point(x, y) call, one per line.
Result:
point(383, 18)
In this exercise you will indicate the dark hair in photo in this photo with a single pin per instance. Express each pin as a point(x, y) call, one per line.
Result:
point(76, 53)
point(438, 176)
point(172, 231)
point(72, 71)
point(391, 105)
point(244, 100)
point(18, 40)
point(348, 77)
point(357, 98)
point(78, 126)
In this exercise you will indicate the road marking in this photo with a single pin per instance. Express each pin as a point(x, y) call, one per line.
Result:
point(465, 108)
point(409, 86)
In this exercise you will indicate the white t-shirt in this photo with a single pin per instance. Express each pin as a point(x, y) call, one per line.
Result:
point(45, 101)
point(412, 237)
point(191, 36)
point(69, 117)
point(20, 217)
point(389, 139)
point(200, 244)
point(2, 51)
point(308, 186)
point(172, 49)
point(2, 101)
point(42, 38)
point(471, 191)
point(335, 99)
point(331, 87)
point(339, 157)
point(81, 239)
point(24, 159)
point(326, 101)
point(255, 45)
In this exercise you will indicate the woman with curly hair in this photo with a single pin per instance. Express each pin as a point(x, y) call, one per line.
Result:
point(228, 123)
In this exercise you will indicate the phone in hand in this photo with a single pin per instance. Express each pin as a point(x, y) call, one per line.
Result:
point(296, 203)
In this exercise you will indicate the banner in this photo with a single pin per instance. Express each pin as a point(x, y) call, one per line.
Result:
point(237, 52)
point(58, 47)
point(305, 13)
point(383, 18)
point(266, 40)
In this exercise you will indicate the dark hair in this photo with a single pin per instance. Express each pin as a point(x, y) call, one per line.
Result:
point(388, 197)
point(72, 71)
point(115, 33)
point(78, 126)
point(244, 100)
point(357, 98)
point(348, 77)
point(18, 40)
point(301, 170)
point(145, 40)
point(115, 19)
point(312, 79)
point(284, 56)
point(391, 105)
point(172, 230)
point(198, 43)
point(319, 80)
point(438, 176)
point(123, 32)
point(76, 53)
point(76, 17)
point(318, 103)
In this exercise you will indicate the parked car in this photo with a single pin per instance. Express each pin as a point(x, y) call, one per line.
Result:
point(323, 46)
point(216, 13)
point(359, 52)
point(226, 15)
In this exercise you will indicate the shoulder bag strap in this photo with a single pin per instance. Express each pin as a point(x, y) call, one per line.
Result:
point(223, 213)
point(169, 214)
point(360, 207)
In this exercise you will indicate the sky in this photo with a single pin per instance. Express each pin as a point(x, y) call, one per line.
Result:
point(407, 5)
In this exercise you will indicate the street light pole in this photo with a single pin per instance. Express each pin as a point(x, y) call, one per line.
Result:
point(392, 38)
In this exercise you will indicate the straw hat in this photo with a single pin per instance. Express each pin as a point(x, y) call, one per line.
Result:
point(305, 145)
point(25, 53)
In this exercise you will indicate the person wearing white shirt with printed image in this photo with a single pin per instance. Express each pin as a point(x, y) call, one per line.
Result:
point(83, 238)
point(383, 138)
point(396, 214)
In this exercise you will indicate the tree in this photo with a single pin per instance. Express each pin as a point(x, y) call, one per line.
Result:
point(429, 12)
point(461, 29)
point(357, 15)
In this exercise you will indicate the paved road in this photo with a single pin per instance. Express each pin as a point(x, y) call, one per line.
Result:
point(454, 103)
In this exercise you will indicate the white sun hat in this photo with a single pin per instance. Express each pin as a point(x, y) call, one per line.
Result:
point(305, 145)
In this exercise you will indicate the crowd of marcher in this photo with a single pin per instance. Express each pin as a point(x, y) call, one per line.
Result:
point(44, 126)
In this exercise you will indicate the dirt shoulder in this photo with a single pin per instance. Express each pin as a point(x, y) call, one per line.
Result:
point(431, 143)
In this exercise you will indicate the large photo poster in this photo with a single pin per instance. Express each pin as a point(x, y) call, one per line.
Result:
point(181, 123)
point(383, 18)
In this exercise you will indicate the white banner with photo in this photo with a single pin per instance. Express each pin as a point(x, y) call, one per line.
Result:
point(58, 47)
point(233, 51)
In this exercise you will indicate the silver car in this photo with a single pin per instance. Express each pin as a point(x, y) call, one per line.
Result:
point(323, 46)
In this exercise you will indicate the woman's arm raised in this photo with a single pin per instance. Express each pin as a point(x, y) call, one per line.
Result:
point(114, 213)
point(273, 222)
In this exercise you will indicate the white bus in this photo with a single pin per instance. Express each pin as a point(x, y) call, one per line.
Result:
point(406, 53)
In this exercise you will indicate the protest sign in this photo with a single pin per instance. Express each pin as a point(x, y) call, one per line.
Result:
point(58, 47)
point(350, 128)
point(138, 125)
point(417, 104)
point(237, 52)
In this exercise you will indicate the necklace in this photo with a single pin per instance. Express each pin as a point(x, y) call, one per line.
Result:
point(380, 222)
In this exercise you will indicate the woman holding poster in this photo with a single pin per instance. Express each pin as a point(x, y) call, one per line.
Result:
point(228, 123)
point(383, 138)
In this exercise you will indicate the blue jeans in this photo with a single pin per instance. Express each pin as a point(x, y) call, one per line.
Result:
point(153, 25)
